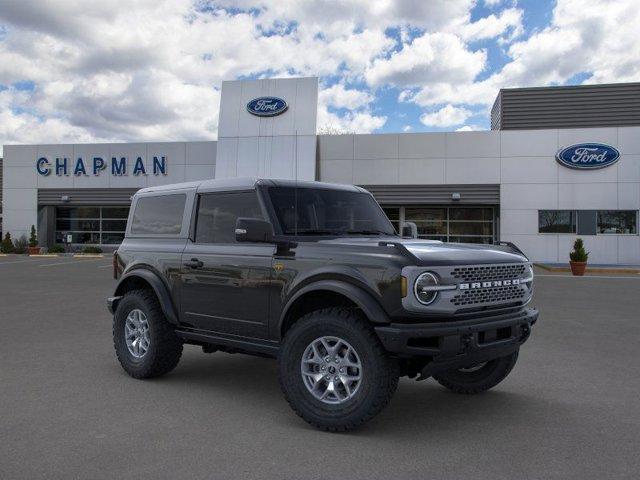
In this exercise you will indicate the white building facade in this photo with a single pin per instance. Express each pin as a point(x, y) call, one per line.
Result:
point(460, 186)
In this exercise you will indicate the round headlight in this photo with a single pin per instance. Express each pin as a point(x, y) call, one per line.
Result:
point(422, 288)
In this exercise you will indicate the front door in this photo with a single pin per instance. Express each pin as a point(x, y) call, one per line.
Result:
point(225, 285)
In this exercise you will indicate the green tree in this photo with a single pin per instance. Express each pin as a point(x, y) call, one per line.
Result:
point(33, 237)
point(7, 244)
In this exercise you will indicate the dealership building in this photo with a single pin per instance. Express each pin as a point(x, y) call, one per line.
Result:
point(559, 162)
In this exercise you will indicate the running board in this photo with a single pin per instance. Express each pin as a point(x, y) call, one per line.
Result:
point(243, 344)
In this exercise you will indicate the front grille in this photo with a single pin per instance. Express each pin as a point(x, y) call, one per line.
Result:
point(489, 272)
point(489, 295)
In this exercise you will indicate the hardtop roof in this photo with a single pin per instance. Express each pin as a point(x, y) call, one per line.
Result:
point(243, 183)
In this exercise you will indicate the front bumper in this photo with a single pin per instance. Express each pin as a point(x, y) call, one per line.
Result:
point(449, 345)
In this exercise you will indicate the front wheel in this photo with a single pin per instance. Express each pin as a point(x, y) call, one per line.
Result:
point(478, 378)
point(333, 370)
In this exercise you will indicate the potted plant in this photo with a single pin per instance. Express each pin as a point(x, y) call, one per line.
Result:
point(578, 258)
point(7, 244)
point(33, 249)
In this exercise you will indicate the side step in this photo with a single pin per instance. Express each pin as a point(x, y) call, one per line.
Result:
point(242, 344)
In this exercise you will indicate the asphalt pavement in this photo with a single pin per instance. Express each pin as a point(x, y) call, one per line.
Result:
point(570, 408)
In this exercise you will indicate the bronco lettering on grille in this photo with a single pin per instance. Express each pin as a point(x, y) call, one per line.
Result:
point(494, 283)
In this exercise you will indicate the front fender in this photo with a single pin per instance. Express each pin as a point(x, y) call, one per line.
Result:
point(158, 286)
point(364, 300)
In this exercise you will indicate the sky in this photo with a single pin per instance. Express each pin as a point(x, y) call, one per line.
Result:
point(75, 71)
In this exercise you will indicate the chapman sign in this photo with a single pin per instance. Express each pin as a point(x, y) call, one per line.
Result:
point(588, 156)
point(118, 166)
point(267, 106)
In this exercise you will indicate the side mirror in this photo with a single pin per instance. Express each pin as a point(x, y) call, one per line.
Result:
point(409, 230)
point(253, 230)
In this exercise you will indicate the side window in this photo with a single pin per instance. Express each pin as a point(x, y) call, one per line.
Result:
point(159, 215)
point(218, 212)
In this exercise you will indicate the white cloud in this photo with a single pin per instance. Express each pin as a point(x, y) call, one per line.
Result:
point(151, 69)
point(509, 22)
point(340, 97)
point(433, 57)
point(469, 128)
point(407, 128)
point(447, 116)
point(351, 122)
point(596, 38)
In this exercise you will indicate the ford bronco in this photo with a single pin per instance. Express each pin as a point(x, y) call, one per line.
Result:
point(314, 275)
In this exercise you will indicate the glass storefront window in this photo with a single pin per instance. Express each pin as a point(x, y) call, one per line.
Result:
point(452, 224)
point(78, 212)
point(482, 214)
point(556, 221)
point(115, 212)
point(618, 221)
point(91, 225)
point(393, 214)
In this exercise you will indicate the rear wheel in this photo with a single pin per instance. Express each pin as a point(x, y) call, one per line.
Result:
point(333, 370)
point(478, 378)
point(145, 343)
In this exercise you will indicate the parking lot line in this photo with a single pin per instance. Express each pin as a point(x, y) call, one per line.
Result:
point(72, 262)
point(19, 261)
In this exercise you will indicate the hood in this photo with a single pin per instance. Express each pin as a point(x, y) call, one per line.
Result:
point(432, 252)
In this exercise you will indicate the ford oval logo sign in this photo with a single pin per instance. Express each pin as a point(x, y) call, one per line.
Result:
point(267, 106)
point(588, 156)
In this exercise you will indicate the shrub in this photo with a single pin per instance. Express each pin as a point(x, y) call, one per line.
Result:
point(91, 250)
point(33, 238)
point(57, 248)
point(7, 244)
point(20, 245)
point(579, 254)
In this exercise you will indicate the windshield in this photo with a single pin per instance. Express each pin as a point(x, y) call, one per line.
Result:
point(328, 212)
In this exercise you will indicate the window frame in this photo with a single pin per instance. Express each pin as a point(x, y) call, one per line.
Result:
point(196, 209)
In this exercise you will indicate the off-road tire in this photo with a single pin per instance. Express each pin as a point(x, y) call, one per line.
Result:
point(481, 380)
point(165, 347)
point(380, 373)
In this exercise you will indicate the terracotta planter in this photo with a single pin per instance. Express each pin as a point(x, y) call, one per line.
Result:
point(33, 250)
point(578, 268)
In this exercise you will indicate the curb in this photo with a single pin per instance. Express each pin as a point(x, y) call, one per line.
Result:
point(88, 255)
point(45, 255)
point(589, 269)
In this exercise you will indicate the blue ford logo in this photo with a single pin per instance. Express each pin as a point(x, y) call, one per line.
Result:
point(267, 106)
point(588, 156)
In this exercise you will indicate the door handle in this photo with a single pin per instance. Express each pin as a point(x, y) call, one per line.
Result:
point(194, 263)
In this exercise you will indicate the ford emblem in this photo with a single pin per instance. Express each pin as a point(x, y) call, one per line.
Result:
point(588, 156)
point(267, 106)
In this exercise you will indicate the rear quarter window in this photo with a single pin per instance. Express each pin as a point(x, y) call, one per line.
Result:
point(158, 215)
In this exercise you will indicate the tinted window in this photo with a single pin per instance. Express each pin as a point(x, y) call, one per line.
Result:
point(159, 215)
point(311, 211)
point(556, 221)
point(617, 221)
point(218, 212)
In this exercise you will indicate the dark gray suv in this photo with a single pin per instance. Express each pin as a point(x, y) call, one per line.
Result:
point(314, 275)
